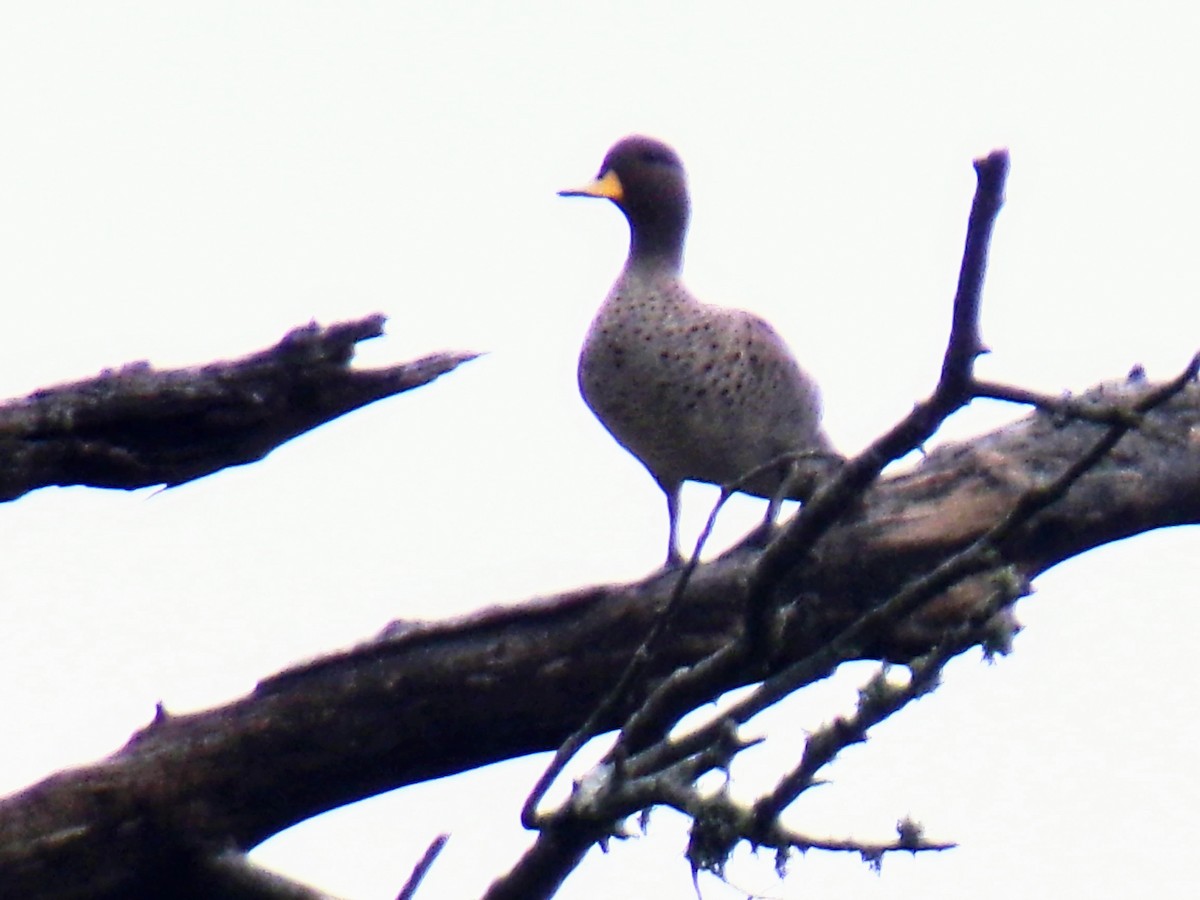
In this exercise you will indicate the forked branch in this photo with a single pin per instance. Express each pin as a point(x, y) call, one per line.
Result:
point(647, 767)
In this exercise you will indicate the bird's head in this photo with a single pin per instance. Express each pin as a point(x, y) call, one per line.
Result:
point(645, 179)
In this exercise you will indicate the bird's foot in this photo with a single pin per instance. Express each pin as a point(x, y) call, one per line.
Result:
point(674, 561)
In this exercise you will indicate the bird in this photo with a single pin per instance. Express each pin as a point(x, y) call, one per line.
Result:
point(696, 392)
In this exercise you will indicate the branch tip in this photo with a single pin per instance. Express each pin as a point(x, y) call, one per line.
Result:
point(994, 166)
point(1193, 369)
point(422, 867)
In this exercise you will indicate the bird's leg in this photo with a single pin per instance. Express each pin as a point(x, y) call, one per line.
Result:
point(674, 558)
point(776, 501)
point(761, 535)
point(801, 475)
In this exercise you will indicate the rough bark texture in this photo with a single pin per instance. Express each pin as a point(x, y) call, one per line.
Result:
point(137, 426)
point(429, 699)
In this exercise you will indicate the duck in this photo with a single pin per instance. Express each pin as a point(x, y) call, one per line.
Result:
point(695, 392)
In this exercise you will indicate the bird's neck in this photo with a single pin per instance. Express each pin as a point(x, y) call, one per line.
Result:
point(655, 249)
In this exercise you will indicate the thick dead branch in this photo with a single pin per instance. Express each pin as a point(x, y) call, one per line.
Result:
point(231, 876)
point(887, 569)
point(137, 426)
point(677, 695)
point(754, 649)
point(431, 699)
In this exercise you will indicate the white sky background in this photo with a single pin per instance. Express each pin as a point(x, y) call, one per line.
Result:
point(183, 183)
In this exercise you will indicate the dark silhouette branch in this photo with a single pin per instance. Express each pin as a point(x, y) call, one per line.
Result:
point(429, 699)
point(137, 426)
point(422, 867)
point(231, 876)
point(953, 391)
point(1065, 406)
point(680, 692)
point(750, 650)
point(895, 568)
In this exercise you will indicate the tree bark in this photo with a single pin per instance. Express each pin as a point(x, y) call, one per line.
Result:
point(137, 426)
point(424, 700)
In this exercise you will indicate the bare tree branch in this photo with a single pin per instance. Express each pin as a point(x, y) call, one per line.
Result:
point(230, 876)
point(889, 568)
point(752, 649)
point(953, 391)
point(422, 867)
point(430, 699)
point(138, 426)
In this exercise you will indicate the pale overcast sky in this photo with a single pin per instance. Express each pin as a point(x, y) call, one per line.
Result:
point(183, 182)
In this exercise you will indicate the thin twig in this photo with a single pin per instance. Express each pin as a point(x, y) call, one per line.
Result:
point(878, 700)
point(637, 664)
point(1065, 408)
point(719, 823)
point(965, 343)
point(951, 393)
point(422, 867)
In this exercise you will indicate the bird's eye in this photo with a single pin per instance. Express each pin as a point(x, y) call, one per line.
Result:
point(656, 157)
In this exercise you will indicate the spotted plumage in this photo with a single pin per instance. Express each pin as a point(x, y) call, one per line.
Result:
point(696, 392)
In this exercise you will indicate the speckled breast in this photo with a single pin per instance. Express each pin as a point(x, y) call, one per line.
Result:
point(695, 392)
